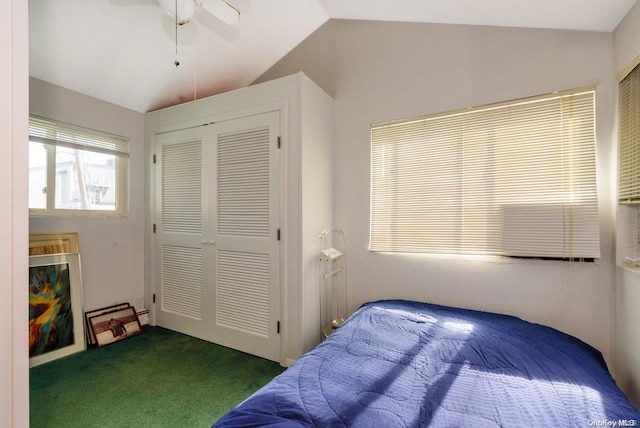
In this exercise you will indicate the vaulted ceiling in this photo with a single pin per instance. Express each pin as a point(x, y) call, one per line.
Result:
point(124, 51)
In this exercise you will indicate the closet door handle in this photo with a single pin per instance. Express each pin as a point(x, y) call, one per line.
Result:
point(204, 242)
point(212, 242)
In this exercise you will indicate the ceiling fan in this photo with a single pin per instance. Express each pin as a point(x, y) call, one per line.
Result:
point(183, 10)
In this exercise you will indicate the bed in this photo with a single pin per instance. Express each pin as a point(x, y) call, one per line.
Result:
point(407, 364)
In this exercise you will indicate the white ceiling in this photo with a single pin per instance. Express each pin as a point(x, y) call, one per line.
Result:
point(123, 51)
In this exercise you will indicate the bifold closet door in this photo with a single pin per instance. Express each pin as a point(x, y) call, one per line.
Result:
point(246, 217)
point(181, 233)
point(217, 220)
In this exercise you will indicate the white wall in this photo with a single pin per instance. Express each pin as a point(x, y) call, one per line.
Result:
point(111, 249)
point(626, 43)
point(627, 337)
point(14, 363)
point(379, 71)
point(316, 204)
point(626, 39)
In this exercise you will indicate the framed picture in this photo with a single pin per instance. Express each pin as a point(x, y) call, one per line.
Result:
point(115, 326)
point(56, 326)
point(52, 243)
point(91, 338)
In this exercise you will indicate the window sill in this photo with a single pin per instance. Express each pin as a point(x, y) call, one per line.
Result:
point(468, 258)
point(75, 214)
point(633, 269)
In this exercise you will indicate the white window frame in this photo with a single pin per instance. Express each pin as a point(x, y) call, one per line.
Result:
point(55, 134)
point(454, 151)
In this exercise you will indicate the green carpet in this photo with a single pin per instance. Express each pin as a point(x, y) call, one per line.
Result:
point(157, 379)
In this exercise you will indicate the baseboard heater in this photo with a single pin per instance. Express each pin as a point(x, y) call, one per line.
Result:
point(143, 316)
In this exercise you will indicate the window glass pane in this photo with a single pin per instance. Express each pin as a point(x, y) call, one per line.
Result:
point(37, 175)
point(85, 180)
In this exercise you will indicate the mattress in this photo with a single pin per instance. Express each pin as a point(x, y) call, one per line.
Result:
point(408, 364)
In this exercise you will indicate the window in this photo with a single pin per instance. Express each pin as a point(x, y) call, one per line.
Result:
point(628, 237)
point(76, 171)
point(629, 135)
point(513, 179)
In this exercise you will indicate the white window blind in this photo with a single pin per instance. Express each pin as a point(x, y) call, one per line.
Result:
point(629, 138)
point(59, 134)
point(514, 179)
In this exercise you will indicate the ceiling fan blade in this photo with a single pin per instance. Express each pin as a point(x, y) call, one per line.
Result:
point(221, 10)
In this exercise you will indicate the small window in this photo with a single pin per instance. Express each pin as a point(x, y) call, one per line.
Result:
point(513, 179)
point(76, 171)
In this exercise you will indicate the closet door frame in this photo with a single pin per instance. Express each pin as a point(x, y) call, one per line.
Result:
point(283, 108)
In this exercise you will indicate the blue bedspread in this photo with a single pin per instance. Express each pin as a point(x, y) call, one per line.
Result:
point(399, 363)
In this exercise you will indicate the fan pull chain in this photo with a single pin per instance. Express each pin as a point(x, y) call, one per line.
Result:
point(176, 62)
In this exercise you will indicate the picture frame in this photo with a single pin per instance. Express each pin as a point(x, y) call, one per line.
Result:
point(56, 327)
point(115, 326)
point(53, 243)
point(91, 338)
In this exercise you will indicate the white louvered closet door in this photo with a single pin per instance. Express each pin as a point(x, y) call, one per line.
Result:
point(182, 231)
point(245, 207)
point(217, 219)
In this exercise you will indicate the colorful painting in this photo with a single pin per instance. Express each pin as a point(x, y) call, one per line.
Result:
point(55, 312)
point(50, 316)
